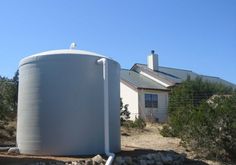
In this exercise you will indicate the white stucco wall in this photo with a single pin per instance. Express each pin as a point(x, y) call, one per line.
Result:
point(129, 96)
point(161, 112)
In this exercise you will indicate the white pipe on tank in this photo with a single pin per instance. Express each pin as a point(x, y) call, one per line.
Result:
point(106, 111)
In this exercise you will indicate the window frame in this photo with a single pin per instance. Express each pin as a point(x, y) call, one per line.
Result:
point(150, 100)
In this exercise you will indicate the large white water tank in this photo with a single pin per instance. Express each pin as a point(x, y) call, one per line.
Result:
point(61, 104)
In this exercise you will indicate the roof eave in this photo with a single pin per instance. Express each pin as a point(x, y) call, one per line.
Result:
point(135, 87)
point(128, 83)
point(154, 89)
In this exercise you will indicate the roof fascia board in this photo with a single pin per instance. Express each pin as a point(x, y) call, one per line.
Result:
point(166, 90)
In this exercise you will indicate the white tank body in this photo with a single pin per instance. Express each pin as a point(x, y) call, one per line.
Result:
point(61, 104)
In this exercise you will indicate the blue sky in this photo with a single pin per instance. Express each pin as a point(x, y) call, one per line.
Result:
point(198, 35)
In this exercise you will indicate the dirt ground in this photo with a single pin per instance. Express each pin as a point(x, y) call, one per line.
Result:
point(151, 139)
point(133, 142)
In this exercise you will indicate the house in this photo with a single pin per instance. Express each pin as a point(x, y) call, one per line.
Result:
point(145, 88)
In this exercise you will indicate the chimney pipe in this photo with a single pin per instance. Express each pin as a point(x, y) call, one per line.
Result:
point(152, 61)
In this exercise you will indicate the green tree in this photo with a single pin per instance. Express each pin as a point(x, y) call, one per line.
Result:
point(8, 96)
point(15, 80)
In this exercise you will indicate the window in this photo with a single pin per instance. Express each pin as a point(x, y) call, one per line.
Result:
point(151, 100)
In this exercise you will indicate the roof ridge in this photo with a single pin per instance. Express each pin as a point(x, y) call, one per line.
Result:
point(176, 68)
point(168, 67)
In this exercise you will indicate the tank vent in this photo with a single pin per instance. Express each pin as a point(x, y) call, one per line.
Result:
point(73, 45)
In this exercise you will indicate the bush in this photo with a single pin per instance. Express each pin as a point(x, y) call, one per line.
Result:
point(138, 123)
point(213, 129)
point(124, 112)
point(206, 128)
point(167, 131)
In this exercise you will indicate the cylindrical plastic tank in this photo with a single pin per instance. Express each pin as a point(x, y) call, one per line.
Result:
point(61, 104)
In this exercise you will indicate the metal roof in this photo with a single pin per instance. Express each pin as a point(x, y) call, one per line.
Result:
point(176, 76)
point(139, 81)
point(217, 80)
point(167, 78)
point(183, 74)
point(180, 73)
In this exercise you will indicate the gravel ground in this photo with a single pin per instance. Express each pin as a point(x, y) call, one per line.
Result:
point(133, 143)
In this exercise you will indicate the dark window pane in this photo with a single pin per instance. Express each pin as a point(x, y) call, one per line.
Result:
point(148, 101)
point(151, 100)
point(154, 101)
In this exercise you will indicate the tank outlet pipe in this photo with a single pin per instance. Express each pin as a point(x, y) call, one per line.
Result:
point(110, 155)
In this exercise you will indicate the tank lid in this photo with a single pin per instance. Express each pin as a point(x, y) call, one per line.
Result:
point(67, 51)
point(58, 52)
